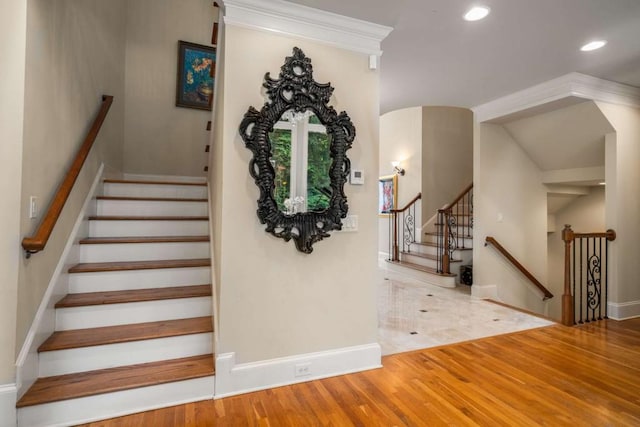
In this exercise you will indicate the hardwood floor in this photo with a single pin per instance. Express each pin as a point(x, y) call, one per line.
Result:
point(587, 376)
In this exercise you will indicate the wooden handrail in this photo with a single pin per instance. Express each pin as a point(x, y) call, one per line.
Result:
point(609, 235)
point(38, 240)
point(503, 251)
point(408, 205)
point(460, 196)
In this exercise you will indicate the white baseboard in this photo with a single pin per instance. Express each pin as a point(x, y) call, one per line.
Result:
point(44, 321)
point(624, 310)
point(233, 379)
point(8, 397)
point(485, 291)
point(110, 405)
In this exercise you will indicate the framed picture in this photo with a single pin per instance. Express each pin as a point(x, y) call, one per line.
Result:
point(387, 194)
point(196, 74)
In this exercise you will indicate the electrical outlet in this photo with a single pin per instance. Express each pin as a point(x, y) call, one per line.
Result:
point(33, 207)
point(303, 369)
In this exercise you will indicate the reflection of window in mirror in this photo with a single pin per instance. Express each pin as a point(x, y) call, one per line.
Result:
point(300, 155)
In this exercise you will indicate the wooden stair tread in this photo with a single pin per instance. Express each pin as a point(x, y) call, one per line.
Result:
point(150, 199)
point(135, 181)
point(143, 239)
point(421, 268)
point(62, 340)
point(146, 218)
point(139, 265)
point(134, 295)
point(427, 256)
point(90, 383)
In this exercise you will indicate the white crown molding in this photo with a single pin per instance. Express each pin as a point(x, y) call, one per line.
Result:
point(304, 22)
point(570, 85)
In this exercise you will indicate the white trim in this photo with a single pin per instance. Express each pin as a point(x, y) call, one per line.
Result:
point(8, 397)
point(485, 292)
point(172, 178)
point(232, 378)
point(624, 310)
point(44, 321)
point(305, 22)
point(110, 405)
point(570, 85)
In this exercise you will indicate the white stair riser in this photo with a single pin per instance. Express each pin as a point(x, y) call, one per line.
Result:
point(426, 250)
point(138, 279)
point(69, 361)
point(155, 190)
point(102, 228)
point(109, 405)
point(468, 242)
point(434, 279)
point(419, 260)
point(146, 208)
point(110, 252)
point(135, 312)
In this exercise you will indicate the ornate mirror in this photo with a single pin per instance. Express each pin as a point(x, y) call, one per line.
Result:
point(299, 145)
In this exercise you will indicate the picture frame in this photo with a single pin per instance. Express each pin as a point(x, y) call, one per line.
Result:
point(196, 75)
point(387, 194)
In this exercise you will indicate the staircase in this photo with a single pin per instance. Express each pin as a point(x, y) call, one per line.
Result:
point(449, 232)
point(135, 331)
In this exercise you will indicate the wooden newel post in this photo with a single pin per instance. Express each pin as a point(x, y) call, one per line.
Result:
point(445, 235)
point(396, 254)
point(567, 298)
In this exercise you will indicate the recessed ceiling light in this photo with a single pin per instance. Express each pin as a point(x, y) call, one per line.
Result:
point(596, 44)
point(476, 13)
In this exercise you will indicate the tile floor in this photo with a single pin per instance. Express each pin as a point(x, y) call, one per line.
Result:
point(413, 315)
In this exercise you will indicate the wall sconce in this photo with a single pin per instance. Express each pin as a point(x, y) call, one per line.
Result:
point(397, 168)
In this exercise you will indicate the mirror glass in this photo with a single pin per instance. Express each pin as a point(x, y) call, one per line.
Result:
point(301, 160)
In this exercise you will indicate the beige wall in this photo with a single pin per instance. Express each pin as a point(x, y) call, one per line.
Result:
point(447, 156)
point(623, 200)
point(510, 204)
point(276, 301)
point(400, 139)
point(75, 52)
point(13, 22)
point(585, 214)
point(161, 138)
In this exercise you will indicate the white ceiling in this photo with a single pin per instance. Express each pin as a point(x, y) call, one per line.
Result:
point(433, 57)
point(567, 138)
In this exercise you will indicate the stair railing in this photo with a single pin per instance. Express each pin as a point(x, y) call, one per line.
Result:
point(454, 224)
point(516, 263)
point(586, 287)
point(402, 220)
point(39, 239)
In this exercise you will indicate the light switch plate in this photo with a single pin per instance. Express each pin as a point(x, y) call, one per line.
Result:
point(356, 177)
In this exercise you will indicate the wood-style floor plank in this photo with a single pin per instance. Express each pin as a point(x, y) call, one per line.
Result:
point(91, 267)
point(69, 386)
point(557, 376)
point(134, 295)
point(142, 239)
point(133, 181)
point(62, 340)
